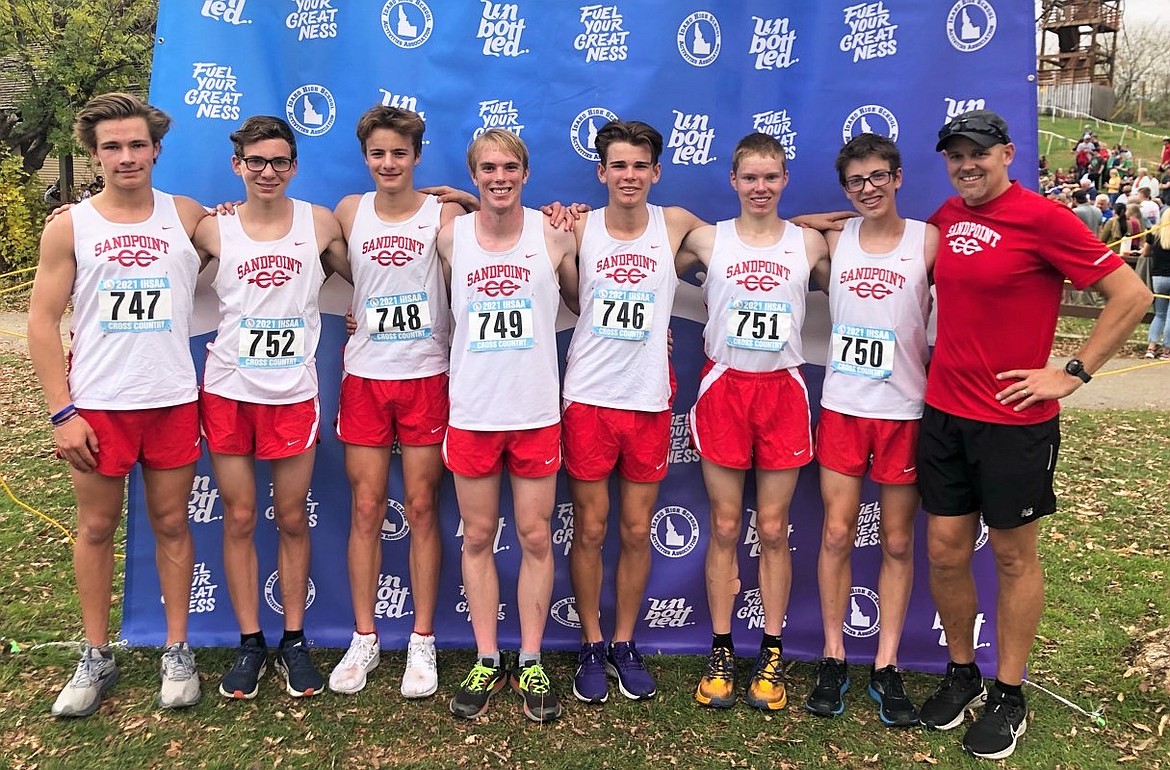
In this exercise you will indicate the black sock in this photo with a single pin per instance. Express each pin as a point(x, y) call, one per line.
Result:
point(258, 636)
point(1014, 691)
point(722, 640)
point(292, 636)
point(771, 641)
point(970, 668)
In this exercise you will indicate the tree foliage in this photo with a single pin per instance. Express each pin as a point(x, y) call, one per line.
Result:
point(65, 52)
point(1142, 72)
point(21, 212)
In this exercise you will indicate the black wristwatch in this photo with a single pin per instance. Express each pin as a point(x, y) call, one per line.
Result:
point(1077, 369)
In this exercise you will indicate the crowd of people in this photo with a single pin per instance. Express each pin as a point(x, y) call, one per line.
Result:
point(465, 376)
point(1126, 207)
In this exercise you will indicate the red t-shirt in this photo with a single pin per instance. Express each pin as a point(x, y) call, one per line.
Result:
point(999, 277)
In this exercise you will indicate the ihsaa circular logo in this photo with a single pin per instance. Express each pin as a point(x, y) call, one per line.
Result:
point(408, 23)
point(699, 39)
point(863, 615)
point(565, 612)
point(311, 109)
point(870, 119)
point(274, 604)
point(674, 531)
point(394, 525)
point(583, 132)
point(971, 24)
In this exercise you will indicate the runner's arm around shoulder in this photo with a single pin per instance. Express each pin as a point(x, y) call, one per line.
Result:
point(206, 239)
point(679, 224)
point(334, 256)
point(562, 251)
point(454, 195)
point(696, 248)
point(52, 289)
point(345, 211)
point(831, 220)
point(930, 249)
point(818, 256)
point(444, 246)
point(191, 213)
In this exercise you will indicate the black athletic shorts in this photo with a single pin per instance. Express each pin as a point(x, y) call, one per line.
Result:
point(1005, 471)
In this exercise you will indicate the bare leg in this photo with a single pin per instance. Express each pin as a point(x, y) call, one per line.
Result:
point(479, 505)
point(422, 470)
point(896, 579)
point(842, 499)
point(633, 569)
point(290, 490)
point(950, 543)
point(99, 509)
point(533, 500)
point(774, 491)
point(235, 476)
point(1020, 601)
point(590, 522)
point(167, 492)
point(725, 490)
point(368, 469)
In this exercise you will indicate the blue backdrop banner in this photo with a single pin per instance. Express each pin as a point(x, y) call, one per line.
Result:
point(811, 74)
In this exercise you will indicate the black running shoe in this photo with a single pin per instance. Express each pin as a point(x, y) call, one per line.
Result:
point(962, 688)
point(994, 734)
point(301, 677)
point(887, 689)
point(830, 683)
point(243, 680)
point(532, 685)
point(481, 683)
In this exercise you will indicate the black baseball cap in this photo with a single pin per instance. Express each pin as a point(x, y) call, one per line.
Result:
point(983, 127)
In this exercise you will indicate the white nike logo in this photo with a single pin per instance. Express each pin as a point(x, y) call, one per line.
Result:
point(550, 461)
point(294, 442)
point(436, 430)
point(910, 469)
point(798, 454)
point(660, 466)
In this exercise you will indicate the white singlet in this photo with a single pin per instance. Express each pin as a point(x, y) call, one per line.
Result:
point(617, 358)
point(755, 301)
point(132, 299)
point(504, 373)
point(399, 296)
point(265, 349)
point(879, 304)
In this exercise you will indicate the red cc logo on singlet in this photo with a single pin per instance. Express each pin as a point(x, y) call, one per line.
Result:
point(265, 279)
point(626, 275)
point(397, 258)
point(753, 282)
point(503, 288)
point(865, 290)
point(128, 258)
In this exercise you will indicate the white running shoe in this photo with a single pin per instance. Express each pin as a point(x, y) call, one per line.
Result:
point(421, 677)
point(180, 680)
point(362, 657)
point(96, 673)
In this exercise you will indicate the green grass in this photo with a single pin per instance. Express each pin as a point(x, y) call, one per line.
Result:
point(1106, 556)
point(1146, 146)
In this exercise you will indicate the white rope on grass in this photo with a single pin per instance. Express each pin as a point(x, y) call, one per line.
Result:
point(1096, 715)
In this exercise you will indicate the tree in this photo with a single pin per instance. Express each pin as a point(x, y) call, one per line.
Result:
point(1142, 73)
point(63, 52)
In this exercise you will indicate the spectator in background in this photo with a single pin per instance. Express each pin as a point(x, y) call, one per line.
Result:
point(1164, 184)
point(1123, 196)
point(1102, 202)
point(1116, 229)
point(1113, 184)
point(1148, 207)
point(1144, 180)
point(1157, 250)
point(1134, 211)
point(1086, 212)
point(1164, 163)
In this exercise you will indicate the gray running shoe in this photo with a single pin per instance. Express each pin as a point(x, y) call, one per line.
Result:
point(96, 673)
point(180, 680)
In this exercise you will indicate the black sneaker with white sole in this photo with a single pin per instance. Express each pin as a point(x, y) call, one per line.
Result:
point(962, 688)
point(994, 734)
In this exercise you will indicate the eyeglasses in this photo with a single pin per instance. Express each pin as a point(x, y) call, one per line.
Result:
point(256, 164)
point(976, 125)
point(856, 184)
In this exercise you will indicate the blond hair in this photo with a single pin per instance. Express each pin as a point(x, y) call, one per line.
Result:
point(499, 139)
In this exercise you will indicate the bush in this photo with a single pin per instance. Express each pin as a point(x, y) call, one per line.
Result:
point(22, 214)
